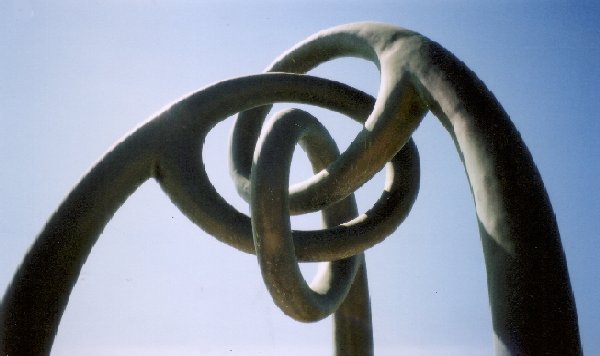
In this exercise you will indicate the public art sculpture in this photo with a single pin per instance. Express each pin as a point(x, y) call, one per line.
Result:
point(532, 305)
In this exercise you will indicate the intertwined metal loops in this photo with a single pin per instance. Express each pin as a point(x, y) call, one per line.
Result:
point(533, 311)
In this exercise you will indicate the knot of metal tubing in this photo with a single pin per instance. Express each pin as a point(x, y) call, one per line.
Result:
point(169, 149)
point(533, 310)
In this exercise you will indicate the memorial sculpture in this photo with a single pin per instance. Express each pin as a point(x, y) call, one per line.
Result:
point(532, 304)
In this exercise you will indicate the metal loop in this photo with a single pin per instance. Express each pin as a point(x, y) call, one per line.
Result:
point(168, 148)
point(271, 220)
point(183, 178)
point(397, 112)
point(519, 234)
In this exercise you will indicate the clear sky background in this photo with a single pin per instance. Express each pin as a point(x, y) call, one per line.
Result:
point(75, 78)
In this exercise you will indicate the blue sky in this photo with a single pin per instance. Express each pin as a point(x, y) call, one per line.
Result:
point(75, 78)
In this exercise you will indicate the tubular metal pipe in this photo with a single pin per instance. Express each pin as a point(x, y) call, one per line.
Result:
point(271, 224)
point(167, 148)
point(533, 308)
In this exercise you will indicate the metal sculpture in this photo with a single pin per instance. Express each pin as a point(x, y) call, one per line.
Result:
point(532, 305)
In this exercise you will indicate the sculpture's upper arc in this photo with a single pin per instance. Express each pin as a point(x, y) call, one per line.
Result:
point(397, 112)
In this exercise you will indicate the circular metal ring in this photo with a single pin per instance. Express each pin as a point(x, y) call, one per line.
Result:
point(271, 225)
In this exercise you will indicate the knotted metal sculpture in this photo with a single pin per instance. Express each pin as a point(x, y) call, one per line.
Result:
point(532, 305)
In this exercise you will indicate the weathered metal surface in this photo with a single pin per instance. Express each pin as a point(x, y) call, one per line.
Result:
point(532, 305)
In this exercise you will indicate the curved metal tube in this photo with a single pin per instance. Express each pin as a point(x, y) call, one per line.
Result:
point(341, 286)
point(533, 308)
point(168, 148)
point(271, 224)
point(396, 113)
